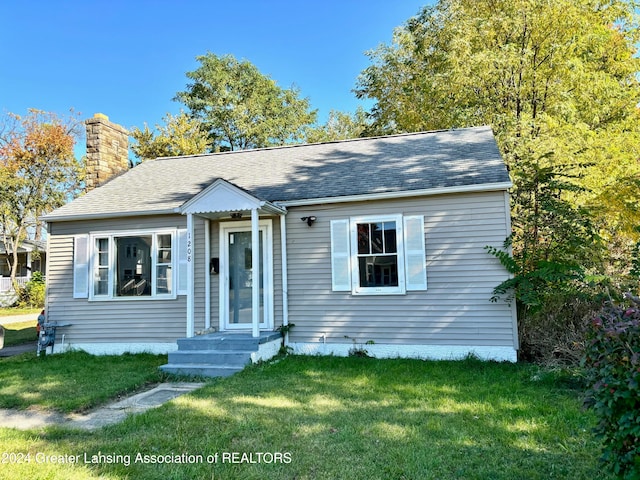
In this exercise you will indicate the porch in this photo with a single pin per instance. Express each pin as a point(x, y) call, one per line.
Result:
point(7, 286)
point(221, 354)
point(234, 247)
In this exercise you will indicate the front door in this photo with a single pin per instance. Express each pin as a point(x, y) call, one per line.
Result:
point(236, 307)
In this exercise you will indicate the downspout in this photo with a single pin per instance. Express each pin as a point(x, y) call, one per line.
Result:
point(285, 283)
point(207, 275)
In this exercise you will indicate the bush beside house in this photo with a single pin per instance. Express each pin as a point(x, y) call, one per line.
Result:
point(612, 365)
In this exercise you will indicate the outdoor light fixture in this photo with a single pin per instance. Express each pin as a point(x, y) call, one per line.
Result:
point(236, 214)
point(309, 220)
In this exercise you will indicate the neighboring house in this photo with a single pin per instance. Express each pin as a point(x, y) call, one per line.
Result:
point(31, 258)
point(370, 240)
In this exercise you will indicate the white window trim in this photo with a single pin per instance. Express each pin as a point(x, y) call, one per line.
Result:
point(111, 235)
point(356, 289)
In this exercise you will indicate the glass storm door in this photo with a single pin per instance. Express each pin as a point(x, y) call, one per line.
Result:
point(238, 308)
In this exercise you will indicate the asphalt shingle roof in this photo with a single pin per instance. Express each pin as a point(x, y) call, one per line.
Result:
point(416, 161)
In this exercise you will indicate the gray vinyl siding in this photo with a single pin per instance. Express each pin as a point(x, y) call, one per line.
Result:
point(139, 320)
point(454, 310)
point(116, 321)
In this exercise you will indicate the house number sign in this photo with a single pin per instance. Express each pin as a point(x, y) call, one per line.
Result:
point(189, 247)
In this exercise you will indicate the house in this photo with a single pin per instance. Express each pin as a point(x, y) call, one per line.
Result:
point(31, 258)
point(377, 241)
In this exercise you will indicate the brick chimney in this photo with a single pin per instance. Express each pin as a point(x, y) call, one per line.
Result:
point(107, 151)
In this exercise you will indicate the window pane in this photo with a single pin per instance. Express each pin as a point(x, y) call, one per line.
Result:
point(101, 272)
point(101, 284)
point(164, 248)
point(376, 238)
point(164, 241)
point(133, 266)
point(378, 271)
point(390, 243)
point(163, 280)
point(363, 238)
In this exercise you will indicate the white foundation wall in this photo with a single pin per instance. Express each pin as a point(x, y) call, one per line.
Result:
point(424, 352)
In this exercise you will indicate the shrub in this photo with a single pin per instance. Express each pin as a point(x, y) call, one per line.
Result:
point(612, 367)
point(33, 293)
point(556, 334)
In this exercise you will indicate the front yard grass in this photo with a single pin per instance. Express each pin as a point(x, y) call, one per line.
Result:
point(338, 418)
point(74, 381)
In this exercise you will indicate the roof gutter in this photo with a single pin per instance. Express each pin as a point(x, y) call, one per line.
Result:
point(485, 187)
point(104, 216)
point(277, 207)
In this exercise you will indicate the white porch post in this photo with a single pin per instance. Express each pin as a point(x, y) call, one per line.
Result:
point(255, 273)
point(28, 265)
point(207, 275)
point(190, 277)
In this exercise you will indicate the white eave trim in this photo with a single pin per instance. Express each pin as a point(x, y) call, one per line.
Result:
point(485, 187)
point(101, 216)
point(280, 207)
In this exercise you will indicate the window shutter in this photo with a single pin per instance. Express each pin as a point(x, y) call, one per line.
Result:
point(183, 276)
point(414, 253)
point(81, 266)
point(340, 256)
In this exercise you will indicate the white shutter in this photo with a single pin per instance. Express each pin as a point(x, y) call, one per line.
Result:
point(81, 266)
point(183, 259)
point(414, 253)
point(340, 256)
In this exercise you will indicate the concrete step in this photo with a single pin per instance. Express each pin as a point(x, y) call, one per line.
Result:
point(227, 341)
point(216, 357)
point(201, 369)
point(218, 343)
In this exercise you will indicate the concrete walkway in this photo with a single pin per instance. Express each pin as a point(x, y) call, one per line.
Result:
point(18, 349)
point(107, 415)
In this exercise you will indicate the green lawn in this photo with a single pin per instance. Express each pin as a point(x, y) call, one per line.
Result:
point(19, 333)
point(6, 312)
point(339, 418)
point(74, 381)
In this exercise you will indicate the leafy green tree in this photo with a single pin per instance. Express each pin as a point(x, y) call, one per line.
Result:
point(552, 78)
point(559, 74)
point(339, 126)
point(558, 83)
point(241, 108)
point(180, 135)
point(39, 172)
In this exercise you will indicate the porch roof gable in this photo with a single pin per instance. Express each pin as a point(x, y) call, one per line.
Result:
point(223, 197)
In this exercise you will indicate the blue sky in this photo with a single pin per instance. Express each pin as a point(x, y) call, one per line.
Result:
point(127, 59)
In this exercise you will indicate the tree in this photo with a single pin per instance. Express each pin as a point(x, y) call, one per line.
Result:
point(180, 135)
point(557, 81)
point(339, 126)
point(554, 79)
point(241, 108)
point(39, 172)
